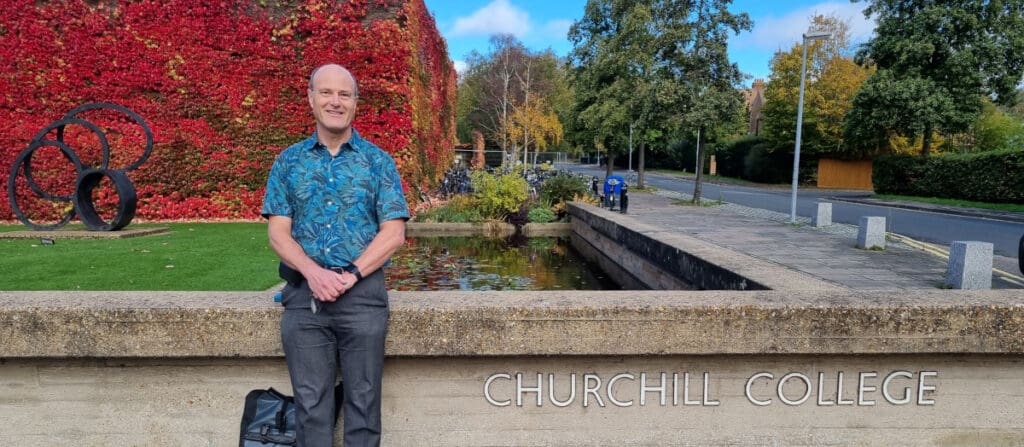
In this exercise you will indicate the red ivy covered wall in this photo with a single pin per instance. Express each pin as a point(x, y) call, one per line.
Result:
point(223, 86)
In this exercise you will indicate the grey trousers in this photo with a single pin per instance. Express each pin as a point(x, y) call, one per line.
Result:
point(351, 329)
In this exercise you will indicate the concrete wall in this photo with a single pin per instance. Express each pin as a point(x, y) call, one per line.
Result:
point(441, 402)
point(168, 369)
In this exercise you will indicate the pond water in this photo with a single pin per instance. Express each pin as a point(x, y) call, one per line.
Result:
point(480, 263)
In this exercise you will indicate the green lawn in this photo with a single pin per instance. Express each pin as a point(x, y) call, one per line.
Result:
point(193, 256)
point(954, 202)
point(707, 177)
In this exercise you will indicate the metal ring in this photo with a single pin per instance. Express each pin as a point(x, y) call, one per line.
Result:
point(126, 199)
point(59, 125)
point(131, 114)
point(22, 159)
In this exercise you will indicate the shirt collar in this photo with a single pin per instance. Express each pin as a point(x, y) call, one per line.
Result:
point(354, 142)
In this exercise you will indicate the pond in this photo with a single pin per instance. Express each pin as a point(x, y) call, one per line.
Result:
point(480, 263)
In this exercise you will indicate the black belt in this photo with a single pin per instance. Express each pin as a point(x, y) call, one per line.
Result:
point(294, 277)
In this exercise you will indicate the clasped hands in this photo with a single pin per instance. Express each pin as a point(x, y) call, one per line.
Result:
point(328, 285)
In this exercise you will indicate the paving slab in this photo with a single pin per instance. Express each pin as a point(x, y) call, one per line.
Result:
point(83, 234)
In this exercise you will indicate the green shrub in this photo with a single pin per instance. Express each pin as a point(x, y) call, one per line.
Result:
point(461, 209)
point(541, 215)
point(562, 188)
point(766, 167)
point(996, 176)
point(730, 157)
point(498, 195)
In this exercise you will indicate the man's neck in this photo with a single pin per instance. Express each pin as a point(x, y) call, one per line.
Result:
point(333, 141)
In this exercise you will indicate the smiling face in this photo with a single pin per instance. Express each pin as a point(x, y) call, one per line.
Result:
point(333, 95)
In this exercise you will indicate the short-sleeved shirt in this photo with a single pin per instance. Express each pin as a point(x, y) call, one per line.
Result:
point(336, 203)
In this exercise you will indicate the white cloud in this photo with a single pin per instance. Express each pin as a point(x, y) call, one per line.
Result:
point(772, 33)
point(460, 66)
point(499, 16)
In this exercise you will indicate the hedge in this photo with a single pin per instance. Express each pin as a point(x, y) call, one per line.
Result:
point(996, 176)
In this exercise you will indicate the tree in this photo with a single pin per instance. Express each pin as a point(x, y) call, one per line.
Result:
point(599, 63)
point(535, 122)
point(831, 81)
point(936, 59)
point(494, 86)
point(695, 51)
point(639, 64)
point(994, 129)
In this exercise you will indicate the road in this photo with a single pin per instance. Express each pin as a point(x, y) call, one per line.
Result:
point(937, 228)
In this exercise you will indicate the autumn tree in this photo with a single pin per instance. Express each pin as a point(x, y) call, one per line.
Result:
point(832, 79)
point(495, 86)
point(535, 124)
point(936, 60)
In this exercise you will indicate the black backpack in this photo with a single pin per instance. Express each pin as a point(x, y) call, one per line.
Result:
point(268, 420)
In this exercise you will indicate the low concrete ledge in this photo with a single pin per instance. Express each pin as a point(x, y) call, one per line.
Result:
point(481, 324)
point(492, 229)
point(425, 229)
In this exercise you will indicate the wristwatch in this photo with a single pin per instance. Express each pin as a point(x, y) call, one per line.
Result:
point(351, 268)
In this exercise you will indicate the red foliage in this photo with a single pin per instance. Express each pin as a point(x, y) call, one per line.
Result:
point(222, 84)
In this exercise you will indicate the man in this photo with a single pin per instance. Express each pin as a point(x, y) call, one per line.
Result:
point(336, 214)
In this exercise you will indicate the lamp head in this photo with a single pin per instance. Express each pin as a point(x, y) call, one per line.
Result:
point(817, 35)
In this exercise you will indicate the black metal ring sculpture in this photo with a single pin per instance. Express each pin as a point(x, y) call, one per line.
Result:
point(87, 176)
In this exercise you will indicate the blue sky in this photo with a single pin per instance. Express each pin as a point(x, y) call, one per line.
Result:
point(541, 24)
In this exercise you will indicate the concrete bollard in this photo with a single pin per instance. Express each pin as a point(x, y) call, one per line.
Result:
point(871, 234)
point(970, 265)
point(1020, 256)
point(823, 217)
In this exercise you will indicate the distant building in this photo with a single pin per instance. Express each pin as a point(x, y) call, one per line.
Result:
point(754, 98)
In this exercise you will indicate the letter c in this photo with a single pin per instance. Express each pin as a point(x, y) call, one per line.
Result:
point(750, 382)
point(487, 390)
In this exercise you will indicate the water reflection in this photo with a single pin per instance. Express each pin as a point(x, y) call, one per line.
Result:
point(479, 263)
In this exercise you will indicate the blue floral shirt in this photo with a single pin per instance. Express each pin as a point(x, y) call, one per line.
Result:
point(336, 203)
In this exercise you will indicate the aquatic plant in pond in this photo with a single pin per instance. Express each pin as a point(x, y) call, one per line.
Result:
point(479, 263)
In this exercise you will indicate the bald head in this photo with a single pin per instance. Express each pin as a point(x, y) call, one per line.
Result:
point(332, 68)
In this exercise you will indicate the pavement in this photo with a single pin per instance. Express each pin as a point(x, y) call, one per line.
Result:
point(829, 253)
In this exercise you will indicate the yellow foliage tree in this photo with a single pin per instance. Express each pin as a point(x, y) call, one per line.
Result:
point(831, 82)
point(536, 124)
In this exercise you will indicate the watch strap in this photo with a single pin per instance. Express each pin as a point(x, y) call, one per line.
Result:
point(351, 268)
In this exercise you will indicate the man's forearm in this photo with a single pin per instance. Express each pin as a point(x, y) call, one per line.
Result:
point(288, 249)
point(390, 237)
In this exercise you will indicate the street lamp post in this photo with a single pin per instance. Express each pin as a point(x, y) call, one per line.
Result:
point(800, 119)
point(630, 167)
